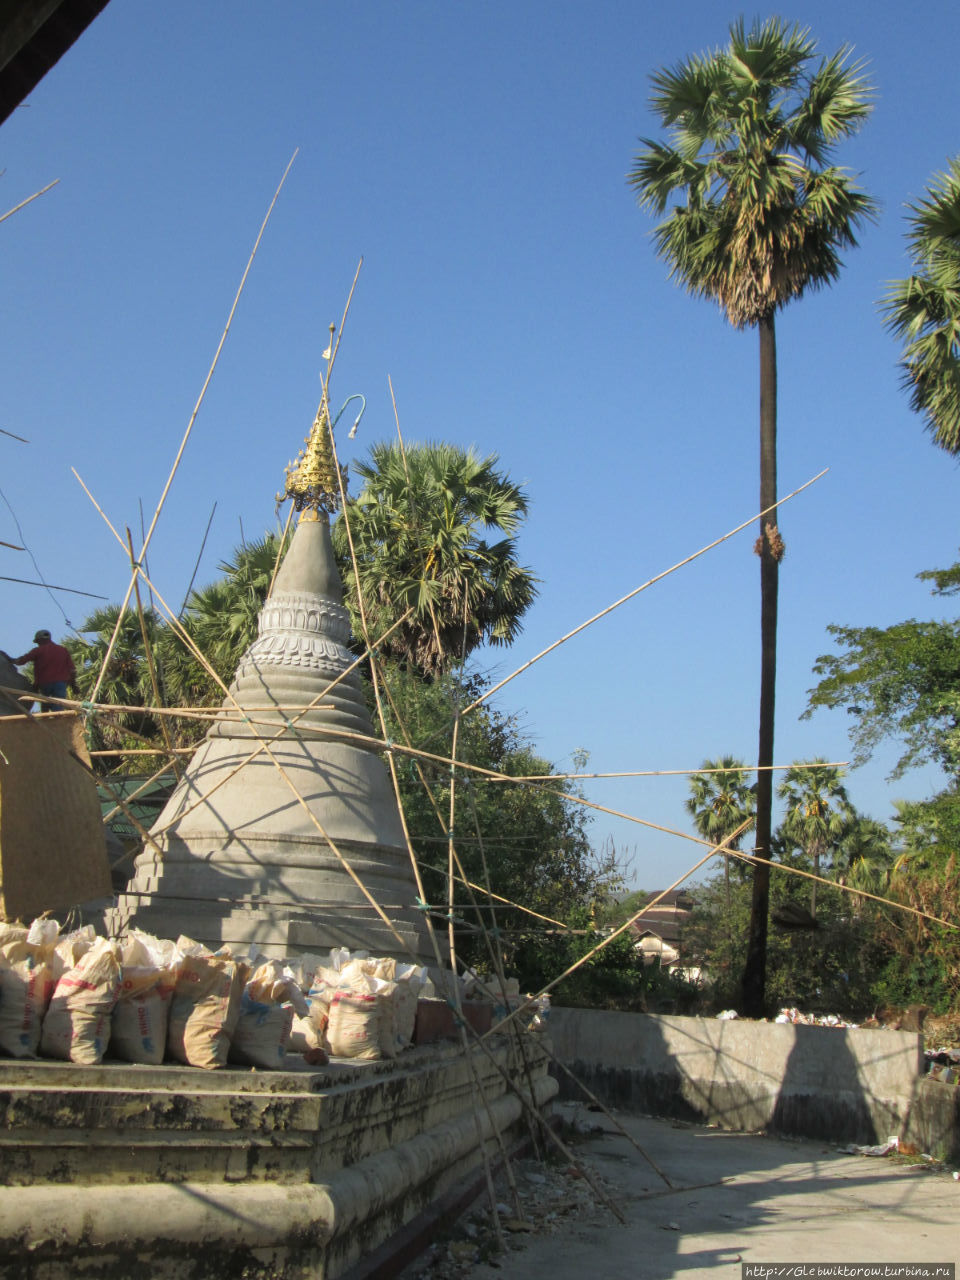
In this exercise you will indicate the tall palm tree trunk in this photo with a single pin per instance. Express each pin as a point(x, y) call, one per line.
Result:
point(755, 969)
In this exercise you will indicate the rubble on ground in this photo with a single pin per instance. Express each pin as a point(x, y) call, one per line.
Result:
point(550, 1194)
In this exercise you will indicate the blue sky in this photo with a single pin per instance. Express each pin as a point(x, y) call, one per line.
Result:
point(475, 156)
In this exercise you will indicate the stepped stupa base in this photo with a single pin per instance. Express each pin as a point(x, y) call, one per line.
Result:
point(167, 1171)
point(275, 931)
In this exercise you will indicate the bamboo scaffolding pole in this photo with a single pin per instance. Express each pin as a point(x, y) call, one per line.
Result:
point(134, 795)
point(499, 898)
point(16, 209)
point(69, 704)
point(636, 591)
point(280, 550)
point(331, 843)
point(491, 938)
point(148, 651)
point(50, 586)
point(478, 1094)
point(477, 1091)
point(505, 777)
point(669, 773)
point(479, 1042)
point(721, 848)
point(336, 345)
point(608, 1113)
point(105, 663)
point(196, 567)
point(213, 363)
point(844, 888)
point(187, 433)
point(131, 818)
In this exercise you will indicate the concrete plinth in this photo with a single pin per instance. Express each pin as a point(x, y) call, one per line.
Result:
point(119, 1171)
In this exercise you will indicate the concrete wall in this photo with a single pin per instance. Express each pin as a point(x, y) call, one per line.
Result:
point(847, 1085)
point(934, 1120)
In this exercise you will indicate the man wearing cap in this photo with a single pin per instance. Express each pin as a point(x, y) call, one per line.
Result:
point(53, 668)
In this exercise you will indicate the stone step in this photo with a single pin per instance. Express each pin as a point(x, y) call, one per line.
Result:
point(101, 1157)
point(63, 1122)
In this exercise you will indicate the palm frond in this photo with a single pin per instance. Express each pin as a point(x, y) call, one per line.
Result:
point(754, 217)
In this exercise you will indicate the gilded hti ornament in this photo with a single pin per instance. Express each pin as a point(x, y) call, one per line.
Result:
point(311, 481)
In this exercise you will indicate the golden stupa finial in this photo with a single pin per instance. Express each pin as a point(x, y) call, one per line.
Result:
point(311, 481)
point(314, 479)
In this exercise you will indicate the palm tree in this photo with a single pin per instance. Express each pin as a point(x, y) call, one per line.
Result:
point(924, 310)
point(126, 676)
point(221, 619)
point(721, 799)
point(761, 217)
point(864, 858)
point(419, 529)
point(818, 814)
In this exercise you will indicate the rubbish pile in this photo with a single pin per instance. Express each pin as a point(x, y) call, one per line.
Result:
point(78, 997)
point(813, 1019)
point(943, 1064)
point(796, 1017)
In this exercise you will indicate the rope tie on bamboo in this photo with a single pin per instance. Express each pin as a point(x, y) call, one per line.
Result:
point(420, 905)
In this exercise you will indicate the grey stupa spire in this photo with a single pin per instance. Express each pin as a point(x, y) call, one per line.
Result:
point(248, 843)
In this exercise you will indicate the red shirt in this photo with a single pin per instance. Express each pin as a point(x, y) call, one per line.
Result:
point(51, 663)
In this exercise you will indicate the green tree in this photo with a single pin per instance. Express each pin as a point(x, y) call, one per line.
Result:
point(818, 813)
point(924, 962)
point(901, 681)
point(420, 528)
point(528, 840)
point(760, 218)
point(829, 969)
point(864, 857)
point(721, 799)
point(221, 619)
point(924, 310)
point(532, 839)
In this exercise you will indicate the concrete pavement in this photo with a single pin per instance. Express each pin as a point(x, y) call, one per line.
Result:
point(766, 1200)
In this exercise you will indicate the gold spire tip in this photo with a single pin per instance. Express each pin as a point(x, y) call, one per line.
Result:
point(311, 481)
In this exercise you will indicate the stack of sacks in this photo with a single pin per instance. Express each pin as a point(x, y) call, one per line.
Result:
point(28, 975)
point(148, 977)
point(148, 999)
point(76, 1026)
point(308, 1035)
point(205, 1006)
point(270, 1000)
point(365, 1008)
